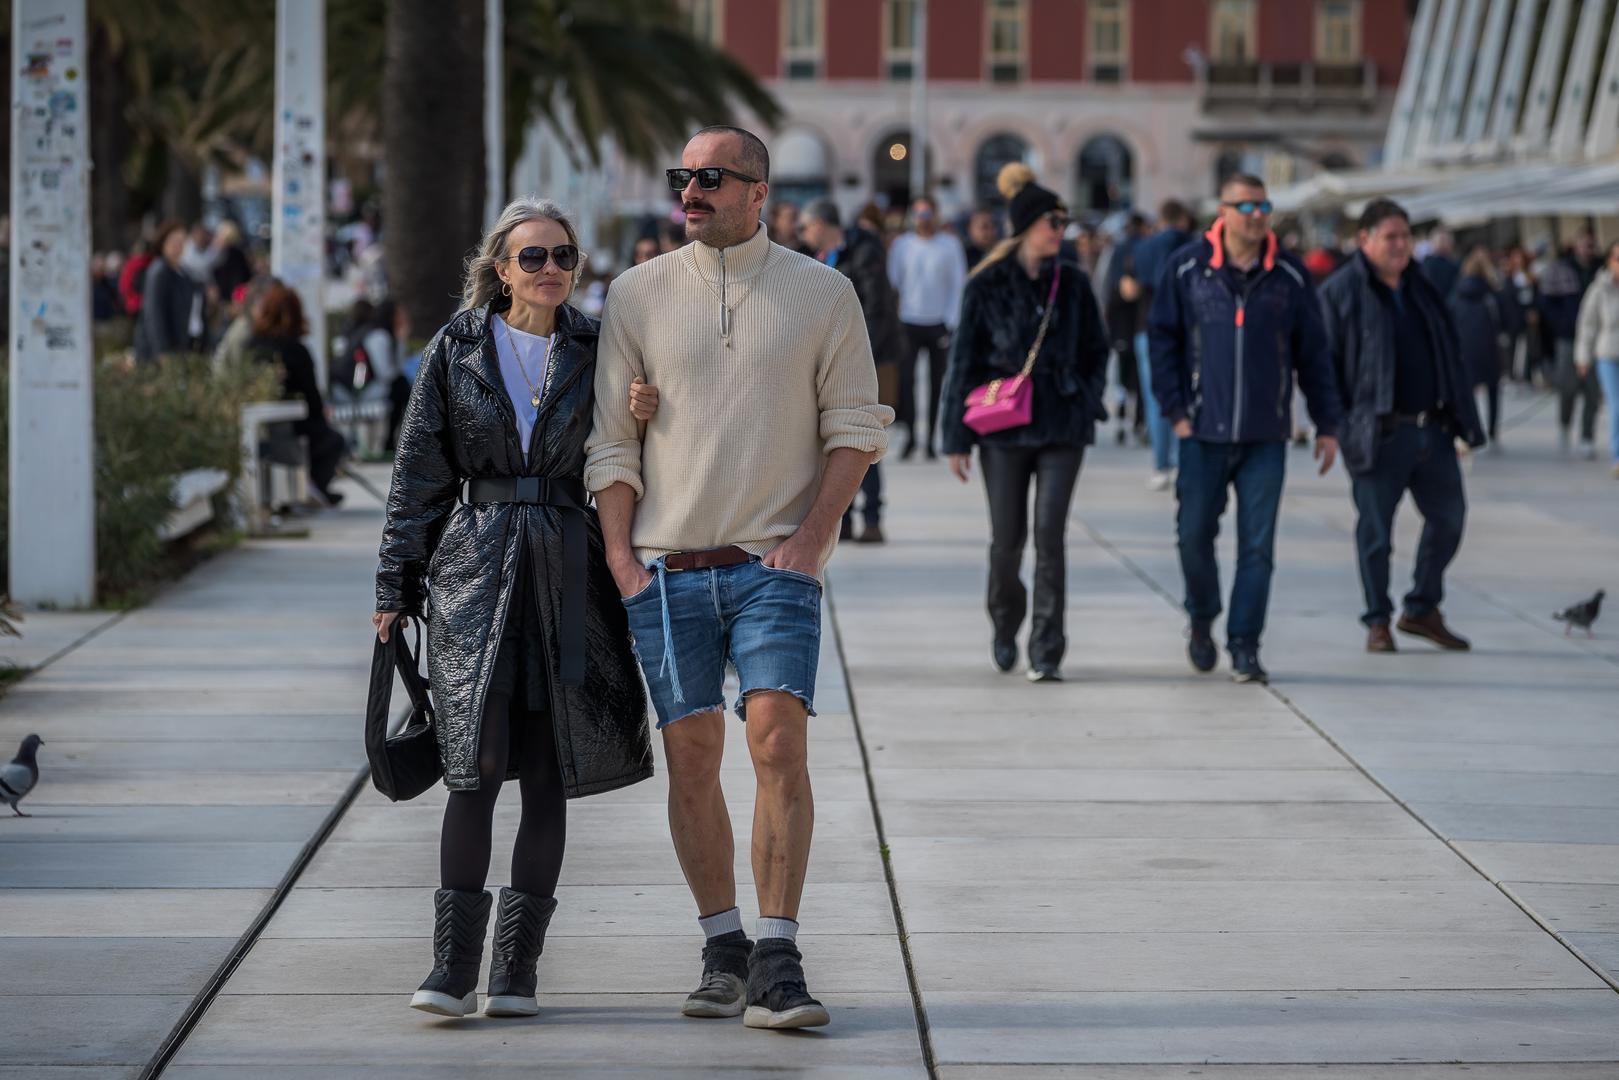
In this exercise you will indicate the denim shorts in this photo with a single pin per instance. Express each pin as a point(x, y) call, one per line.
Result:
point(688, 625)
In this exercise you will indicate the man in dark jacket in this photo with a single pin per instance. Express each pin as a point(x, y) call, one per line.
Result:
point(1233, 319)
point(1562, 287)
point(1409, 396)
point(859, 256)
point(1151, 256)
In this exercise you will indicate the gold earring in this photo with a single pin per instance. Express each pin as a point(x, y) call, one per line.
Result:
point(505, 288)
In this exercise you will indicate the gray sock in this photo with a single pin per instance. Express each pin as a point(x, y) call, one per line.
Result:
point(772, 927)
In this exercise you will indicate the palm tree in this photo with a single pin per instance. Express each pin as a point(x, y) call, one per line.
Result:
point(628, 69)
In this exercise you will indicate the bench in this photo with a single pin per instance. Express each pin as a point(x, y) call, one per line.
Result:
point(194, 493)
point(275, 478)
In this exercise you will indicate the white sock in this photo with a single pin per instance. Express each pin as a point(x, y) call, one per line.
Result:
point(723, 923)
point(768, 927)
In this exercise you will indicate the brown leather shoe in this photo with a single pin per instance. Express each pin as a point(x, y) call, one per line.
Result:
point(871, 534)
point(1432, 626)
point(1378, 639)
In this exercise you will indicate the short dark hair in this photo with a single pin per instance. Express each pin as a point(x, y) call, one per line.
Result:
point(1380, 210)
point(825, 211)
point(933, 204)
point(1173, 210)
point(755, 157)
point(1244, 179)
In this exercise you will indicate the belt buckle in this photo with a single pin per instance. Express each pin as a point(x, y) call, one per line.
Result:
point(528, 489)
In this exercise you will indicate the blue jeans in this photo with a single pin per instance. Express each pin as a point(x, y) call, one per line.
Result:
point(687, 625)
point(1207, 469)
point(1423, 462)
point(1159, 429)
point(1608, 375)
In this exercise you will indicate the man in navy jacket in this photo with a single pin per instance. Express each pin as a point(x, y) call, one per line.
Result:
point(1409, 395)
point(1234, 319)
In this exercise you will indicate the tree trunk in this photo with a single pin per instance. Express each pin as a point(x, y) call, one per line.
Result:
point(433, 150)
point(182, 191)
point(109, 195)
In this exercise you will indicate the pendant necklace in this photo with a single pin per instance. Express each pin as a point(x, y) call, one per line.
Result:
point(517, 351)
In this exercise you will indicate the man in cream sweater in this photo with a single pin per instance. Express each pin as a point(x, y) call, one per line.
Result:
point(718, 517)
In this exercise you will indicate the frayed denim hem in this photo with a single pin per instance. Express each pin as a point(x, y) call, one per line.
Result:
point(718, 707)
point(741, 706)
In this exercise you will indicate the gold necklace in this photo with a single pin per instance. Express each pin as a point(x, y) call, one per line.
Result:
point(533, 391)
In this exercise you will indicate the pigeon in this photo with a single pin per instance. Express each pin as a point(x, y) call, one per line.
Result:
point(1582, 614)
point(18, 777)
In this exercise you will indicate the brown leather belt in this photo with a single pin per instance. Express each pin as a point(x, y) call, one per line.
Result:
point(706, 559)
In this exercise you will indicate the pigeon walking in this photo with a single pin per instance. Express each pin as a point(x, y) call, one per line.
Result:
point(1582, 614)
point(18, 777)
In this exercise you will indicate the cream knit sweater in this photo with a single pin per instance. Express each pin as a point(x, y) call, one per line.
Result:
point(763, 368)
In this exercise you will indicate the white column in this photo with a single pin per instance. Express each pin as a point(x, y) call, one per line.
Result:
point(494, 111)
point(1439, 62)
point(1477, 118)
point(1515, 75)
point(919, 102)
point(1535, 131)
point(1403, 121)
point(51, 453)
point(1464, 58)
point(298, 181)
point(1568, 137)
point(1602, 139)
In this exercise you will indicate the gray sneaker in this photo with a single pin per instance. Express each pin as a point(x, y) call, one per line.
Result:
point(724, 989)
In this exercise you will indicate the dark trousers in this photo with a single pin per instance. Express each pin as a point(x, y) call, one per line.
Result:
point(871, 497)
point(1207, 470)
point(933, 339)
point(1007, 473)
point(516, 729)
point(327, 448)
point(1573, 387)
point(1423, 462)
point(1492, 393)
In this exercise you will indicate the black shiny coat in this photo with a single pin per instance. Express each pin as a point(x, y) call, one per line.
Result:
point(459, 562)
point(1000, 316)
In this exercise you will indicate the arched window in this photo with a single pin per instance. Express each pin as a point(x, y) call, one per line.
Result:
point(800, 167)
point(1106, 175)
point(993, 154)
point(891, 167)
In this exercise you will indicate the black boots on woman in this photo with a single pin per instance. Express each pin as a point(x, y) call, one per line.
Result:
point(459, 921)
point(519, 940)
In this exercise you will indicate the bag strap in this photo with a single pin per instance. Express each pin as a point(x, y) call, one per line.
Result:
point(1045, 323)
point(408, 662)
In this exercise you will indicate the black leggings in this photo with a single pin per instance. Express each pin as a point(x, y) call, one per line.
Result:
point(1008, 471)
point(510, 727)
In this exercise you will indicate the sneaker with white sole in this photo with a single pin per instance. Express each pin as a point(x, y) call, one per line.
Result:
point(723, 991)
point(777, 997)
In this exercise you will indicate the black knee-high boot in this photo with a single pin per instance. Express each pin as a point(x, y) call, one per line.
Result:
point(519, 940)
point(459, 921)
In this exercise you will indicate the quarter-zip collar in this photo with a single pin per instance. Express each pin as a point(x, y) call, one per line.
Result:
point(739, 262)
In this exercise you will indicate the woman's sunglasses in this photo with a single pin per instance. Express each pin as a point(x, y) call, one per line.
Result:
point(1058, 220)
point(709, 179)
point(532, 259)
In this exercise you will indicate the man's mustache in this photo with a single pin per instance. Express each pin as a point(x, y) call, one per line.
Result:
point(690, 206)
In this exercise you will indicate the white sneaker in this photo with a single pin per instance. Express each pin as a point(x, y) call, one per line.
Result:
point(1160, 481)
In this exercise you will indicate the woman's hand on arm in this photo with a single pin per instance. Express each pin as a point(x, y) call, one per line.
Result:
point(643, 399)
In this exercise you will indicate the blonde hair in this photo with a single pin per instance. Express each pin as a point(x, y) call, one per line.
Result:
point(482, 283)
point(1013, 178)
point(1480, 264)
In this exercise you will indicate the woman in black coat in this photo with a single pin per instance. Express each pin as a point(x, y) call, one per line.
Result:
point(1476, 308)
point(1001, 316)
point(278, 331)
point(490, 538)
point(168, 297)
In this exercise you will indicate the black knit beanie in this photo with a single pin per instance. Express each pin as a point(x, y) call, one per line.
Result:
point(1029, 204)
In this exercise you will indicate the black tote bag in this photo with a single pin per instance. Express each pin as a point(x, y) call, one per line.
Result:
point(407, 763)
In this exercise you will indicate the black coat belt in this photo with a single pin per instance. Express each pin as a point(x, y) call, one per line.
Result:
point(566, 494)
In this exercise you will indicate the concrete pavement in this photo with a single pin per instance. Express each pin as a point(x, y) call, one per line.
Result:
point(1380, 867)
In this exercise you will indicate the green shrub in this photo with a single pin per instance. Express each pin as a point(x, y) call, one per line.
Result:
point(153, 422)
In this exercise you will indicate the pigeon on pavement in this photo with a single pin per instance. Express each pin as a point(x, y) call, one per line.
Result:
point(1581, 615)
point(18, 777)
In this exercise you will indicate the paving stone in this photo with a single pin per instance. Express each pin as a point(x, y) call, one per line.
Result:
point(1020, 820)
point(151, 865)
point(109, 966)
point(1571, 907)
point(1542, 824)
point(167, 913)
point(1576, 864)
point(83, 1035)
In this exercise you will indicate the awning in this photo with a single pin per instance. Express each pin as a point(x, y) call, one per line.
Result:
point(1465, 194)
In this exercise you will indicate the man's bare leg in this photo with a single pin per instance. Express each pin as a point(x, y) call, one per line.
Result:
point(698, 820)
point(784, 807)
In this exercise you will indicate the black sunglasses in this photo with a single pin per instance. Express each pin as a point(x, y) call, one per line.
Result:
point(1248, 206)
point(1057, 220)
point(532, 259)
point(709, 179)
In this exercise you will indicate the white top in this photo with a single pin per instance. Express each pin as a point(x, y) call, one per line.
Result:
point(524, 359)
point(930, 275)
